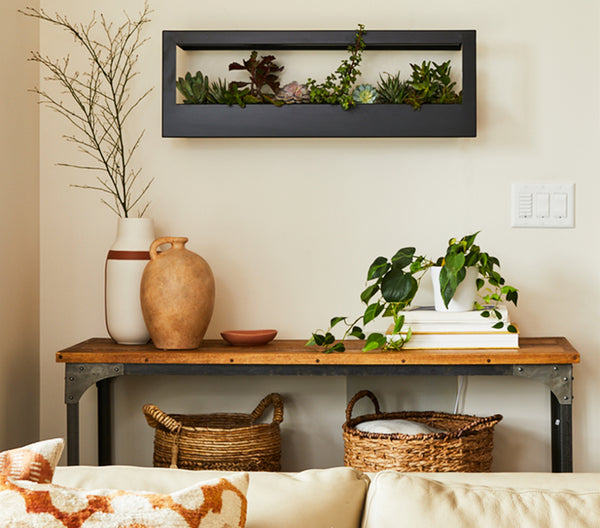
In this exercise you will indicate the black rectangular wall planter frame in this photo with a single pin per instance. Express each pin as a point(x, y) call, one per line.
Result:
point(318, 120)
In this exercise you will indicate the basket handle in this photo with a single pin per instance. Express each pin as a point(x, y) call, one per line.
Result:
point(486, 421)
point(270, 399)
point(357, 397)
point(155, 417)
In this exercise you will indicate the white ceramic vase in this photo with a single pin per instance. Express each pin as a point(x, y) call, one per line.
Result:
point(464, 297)
point(125, 265)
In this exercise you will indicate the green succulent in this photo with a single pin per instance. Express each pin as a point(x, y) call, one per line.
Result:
point(431, 83)
point(364, 94)
point(391, 90)
point(194, 89)
point(217, 92)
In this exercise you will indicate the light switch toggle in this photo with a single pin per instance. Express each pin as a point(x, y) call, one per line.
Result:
point(542, 205)
point(558, 205)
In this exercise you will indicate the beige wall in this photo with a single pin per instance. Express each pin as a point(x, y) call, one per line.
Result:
point(289, 241)
point(19, 231)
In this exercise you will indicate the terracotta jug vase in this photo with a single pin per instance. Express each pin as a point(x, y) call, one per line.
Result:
point(177, 295)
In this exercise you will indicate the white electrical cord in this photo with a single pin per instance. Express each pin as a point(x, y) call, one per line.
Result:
point(460, 393)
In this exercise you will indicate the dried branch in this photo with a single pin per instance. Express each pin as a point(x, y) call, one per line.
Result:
point(100, 100)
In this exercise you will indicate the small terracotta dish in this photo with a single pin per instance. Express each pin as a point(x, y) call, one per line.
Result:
point(248, 337)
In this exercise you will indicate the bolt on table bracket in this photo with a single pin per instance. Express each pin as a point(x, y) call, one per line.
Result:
point(79, 377)
point(558, 378)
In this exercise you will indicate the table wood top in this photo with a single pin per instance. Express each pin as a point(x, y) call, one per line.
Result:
point(531, 351)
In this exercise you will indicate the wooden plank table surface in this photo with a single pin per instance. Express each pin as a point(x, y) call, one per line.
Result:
point(532, 351)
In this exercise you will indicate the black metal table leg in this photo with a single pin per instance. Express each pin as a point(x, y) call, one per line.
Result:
point(559, 379)
point(79, 377)
point(73, 434)
point(562, 438)
point(104, 422)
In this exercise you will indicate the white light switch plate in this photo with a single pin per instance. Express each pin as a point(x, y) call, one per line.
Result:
point(543, 205)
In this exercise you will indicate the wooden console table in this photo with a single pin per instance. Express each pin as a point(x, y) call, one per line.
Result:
point(547, 360)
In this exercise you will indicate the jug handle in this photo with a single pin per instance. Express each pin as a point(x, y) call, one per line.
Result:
point(176, 242)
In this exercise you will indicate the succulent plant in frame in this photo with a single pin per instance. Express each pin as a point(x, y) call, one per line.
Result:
point(193, 88)
point(294, 92)
point(263, 73)
point(391, 89)
point(364, 94)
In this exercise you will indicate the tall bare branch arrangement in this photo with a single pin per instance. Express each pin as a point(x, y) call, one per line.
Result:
point(100, 102)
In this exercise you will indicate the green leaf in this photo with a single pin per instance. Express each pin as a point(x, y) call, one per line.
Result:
point(318, 339)
point(329, 338)
point(455, 261)
point(374, 341)
point(335, 321)
point(498, 325)
point(338, 347)
point(357, 332)
point(512, 329)
point(368, 293)
point(372, 311)
point(399, 324)
point(479, 282)
point(311, 341)
point(448, 284)
point(403, 257)
point(398, 286)
point(379, 267)
point(470, 239)
point(512, 296)
point(485, 313)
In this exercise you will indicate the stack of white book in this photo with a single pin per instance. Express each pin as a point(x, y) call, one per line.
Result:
point(432, 329)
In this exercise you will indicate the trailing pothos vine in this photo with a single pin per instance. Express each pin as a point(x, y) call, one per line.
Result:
point(392, 284)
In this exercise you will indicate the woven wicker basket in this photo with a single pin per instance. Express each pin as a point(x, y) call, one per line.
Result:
point(466, 446)
point(220, 441)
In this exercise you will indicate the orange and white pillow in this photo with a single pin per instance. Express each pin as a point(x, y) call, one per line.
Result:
point(35, 462)
point(219, 503)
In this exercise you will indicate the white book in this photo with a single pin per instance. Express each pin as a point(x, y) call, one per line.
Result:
point(438, 328)
point(428, 315)
point(502, 339)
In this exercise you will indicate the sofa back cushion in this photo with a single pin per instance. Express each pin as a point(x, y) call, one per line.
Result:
point(397, 500)
point(319, 498)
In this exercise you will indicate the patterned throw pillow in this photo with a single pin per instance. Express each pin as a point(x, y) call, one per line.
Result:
point(219, 503)
point(35, 462)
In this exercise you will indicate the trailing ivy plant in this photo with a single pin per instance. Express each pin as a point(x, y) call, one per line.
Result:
point(338, 86)
point(392, 284)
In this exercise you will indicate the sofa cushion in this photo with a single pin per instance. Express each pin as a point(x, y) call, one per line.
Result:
point(215, 504)
point(318, 498)
point(35, 462)
point(396, 500)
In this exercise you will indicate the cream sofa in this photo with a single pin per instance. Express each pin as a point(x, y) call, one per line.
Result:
point(346, 498)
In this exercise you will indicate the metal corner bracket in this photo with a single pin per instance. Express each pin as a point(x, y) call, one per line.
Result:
point(558, 378)
point(79, 377)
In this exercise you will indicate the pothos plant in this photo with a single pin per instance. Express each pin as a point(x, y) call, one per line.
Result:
point(392, 284)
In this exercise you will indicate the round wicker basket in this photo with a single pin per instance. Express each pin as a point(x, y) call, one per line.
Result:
point(465, 446)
